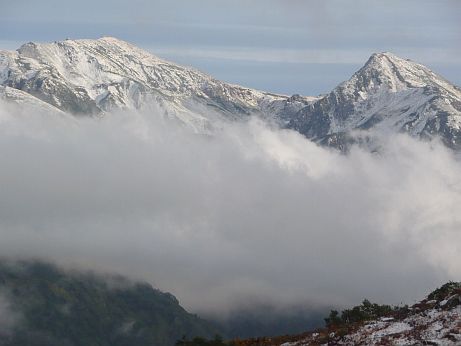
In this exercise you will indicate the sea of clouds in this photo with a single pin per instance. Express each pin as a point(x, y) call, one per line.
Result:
point(250, 214)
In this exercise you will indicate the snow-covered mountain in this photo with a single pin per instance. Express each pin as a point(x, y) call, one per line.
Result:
point(93, 77)
point(387, 94)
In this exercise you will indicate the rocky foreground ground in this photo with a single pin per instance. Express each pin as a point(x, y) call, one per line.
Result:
point(435, 320)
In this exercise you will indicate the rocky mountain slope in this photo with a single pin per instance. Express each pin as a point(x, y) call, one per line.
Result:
point(387, 94)
point(93, 77)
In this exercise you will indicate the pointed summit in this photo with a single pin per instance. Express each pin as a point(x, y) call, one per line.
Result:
point(388, 70)
point(388, 93)
point(383, 57)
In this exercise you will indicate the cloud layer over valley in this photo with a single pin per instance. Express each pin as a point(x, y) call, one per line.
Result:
point(249, 214)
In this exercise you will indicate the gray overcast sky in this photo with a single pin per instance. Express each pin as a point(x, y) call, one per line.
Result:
point(287, 46)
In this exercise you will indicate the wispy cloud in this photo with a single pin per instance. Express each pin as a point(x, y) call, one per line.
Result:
point(263, 31)
point(304, 56)
point(316, 56)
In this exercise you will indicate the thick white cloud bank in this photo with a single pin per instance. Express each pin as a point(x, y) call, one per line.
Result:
point(249, 215)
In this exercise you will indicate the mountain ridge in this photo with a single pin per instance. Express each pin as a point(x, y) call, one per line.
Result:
point(95, 77)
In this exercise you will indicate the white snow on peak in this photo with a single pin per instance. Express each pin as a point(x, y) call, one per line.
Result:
point(90, 76)
point(107, 73)
point(400, 74)
point(393, 94)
